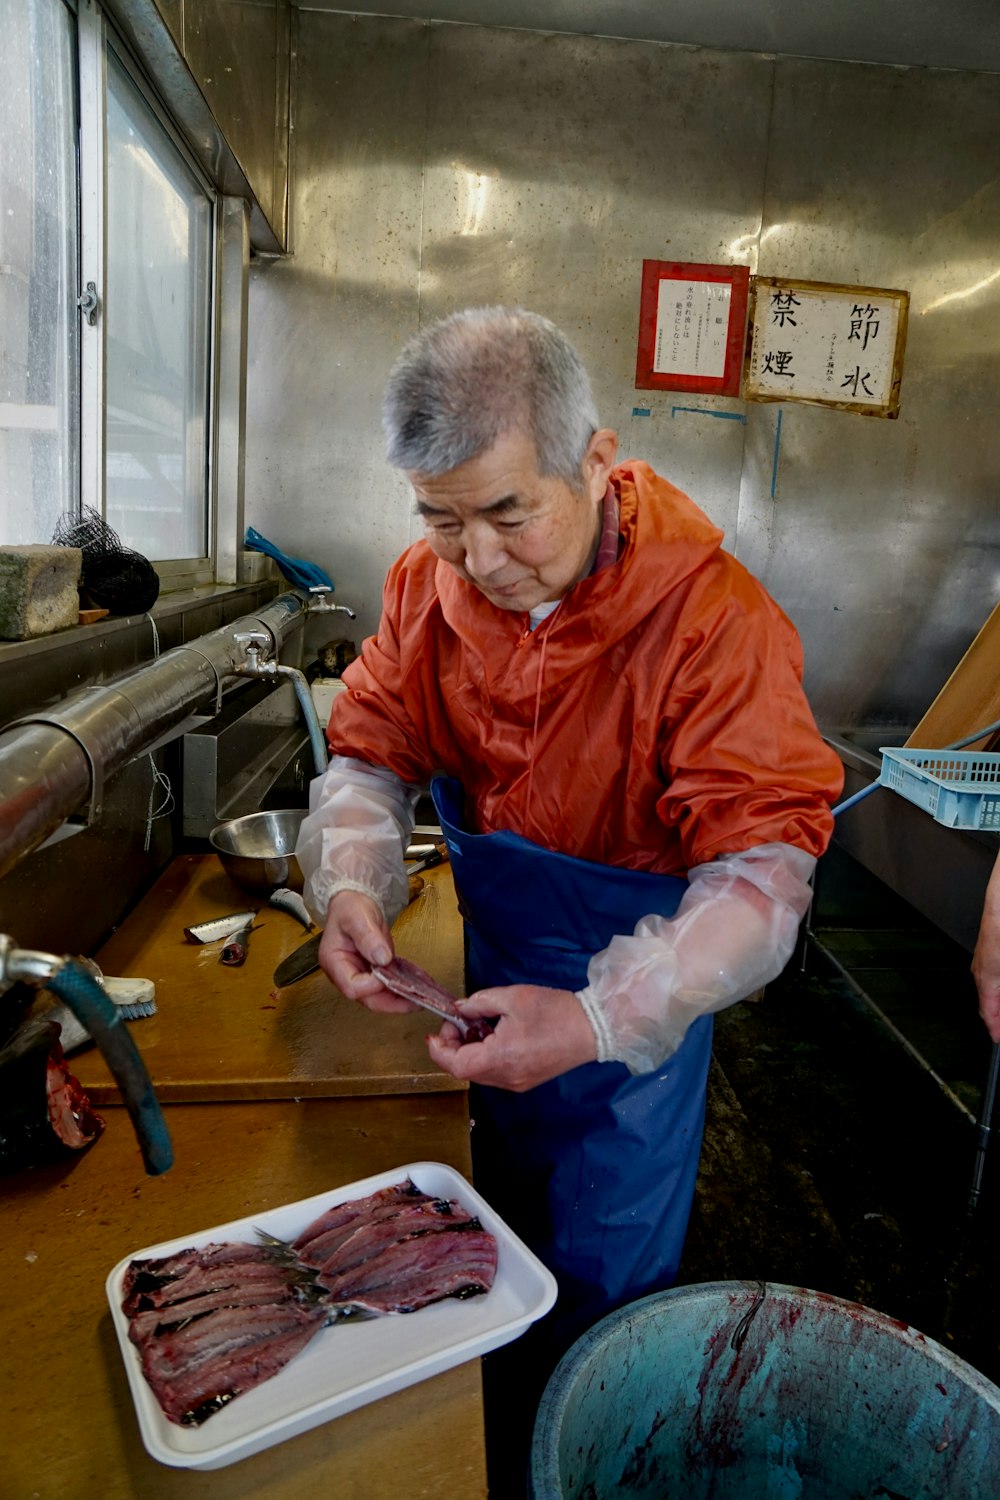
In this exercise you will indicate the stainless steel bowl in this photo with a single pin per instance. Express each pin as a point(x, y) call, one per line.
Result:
point(258, 851)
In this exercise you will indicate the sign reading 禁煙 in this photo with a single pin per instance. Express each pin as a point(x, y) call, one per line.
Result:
point(830, 345)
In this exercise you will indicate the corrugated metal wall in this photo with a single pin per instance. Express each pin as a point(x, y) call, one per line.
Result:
point(437, 166)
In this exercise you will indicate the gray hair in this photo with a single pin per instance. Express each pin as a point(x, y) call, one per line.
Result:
point(469, 379)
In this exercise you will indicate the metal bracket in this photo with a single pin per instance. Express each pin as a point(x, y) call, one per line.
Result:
point(89, 303)
point(215, 672)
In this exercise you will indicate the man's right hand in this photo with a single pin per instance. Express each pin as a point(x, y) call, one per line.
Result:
point(356, 936)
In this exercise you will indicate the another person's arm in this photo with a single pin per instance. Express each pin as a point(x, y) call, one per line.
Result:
point(986, 959)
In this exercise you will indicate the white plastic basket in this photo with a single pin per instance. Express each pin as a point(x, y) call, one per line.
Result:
point(959, 788)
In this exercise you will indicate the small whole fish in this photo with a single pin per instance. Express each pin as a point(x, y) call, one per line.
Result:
point(219, 927)
point(234, 952)
point(292, 903)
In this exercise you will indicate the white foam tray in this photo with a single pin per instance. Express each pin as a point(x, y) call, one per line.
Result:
point(346, 1365)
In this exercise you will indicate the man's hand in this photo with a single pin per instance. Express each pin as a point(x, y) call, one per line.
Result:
point(354, 937)
point(540, 1034)
point(986, 959)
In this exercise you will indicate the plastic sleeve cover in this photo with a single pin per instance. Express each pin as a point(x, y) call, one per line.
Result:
point(354, 836)
point(734, 931)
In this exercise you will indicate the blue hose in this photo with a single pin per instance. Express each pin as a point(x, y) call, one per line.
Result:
point(103, 1019)
point(317, 739)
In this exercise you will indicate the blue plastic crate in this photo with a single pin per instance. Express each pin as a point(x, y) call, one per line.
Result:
point(959, 788)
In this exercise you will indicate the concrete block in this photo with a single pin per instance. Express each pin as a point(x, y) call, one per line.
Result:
point(256, 567)
point(39, 590)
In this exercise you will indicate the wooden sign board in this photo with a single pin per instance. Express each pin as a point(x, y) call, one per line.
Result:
point(827, 344)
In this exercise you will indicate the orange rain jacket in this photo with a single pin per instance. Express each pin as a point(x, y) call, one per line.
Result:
point(655, 720)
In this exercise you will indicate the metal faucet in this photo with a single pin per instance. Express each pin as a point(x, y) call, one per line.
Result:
point(318, 604)
point(71, 982)
point(258, 663)
point(25, 965)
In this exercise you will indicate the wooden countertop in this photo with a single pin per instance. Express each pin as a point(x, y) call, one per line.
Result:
point(227, 1034)
point(69, 1430)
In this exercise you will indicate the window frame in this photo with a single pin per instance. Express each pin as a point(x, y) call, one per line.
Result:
point(96, 36)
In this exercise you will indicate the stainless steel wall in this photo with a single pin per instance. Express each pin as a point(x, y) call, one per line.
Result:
point(436, 166)
point(222, 67)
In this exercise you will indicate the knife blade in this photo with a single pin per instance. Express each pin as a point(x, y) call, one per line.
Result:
point(304, 959)
point(300, 962)
point(427, 861)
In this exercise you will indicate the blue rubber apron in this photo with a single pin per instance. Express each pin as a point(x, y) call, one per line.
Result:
point(596, 1169)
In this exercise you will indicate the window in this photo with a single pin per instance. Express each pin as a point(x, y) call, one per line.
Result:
point(39, 325)
point(96, 187)
point(159, 271)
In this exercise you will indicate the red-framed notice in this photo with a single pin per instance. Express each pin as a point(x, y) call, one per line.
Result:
point(692, 327)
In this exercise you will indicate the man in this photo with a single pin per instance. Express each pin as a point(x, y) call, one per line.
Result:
point(986, 958)
point(634, 792)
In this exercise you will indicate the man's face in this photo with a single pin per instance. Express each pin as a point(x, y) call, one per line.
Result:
point(522, 538)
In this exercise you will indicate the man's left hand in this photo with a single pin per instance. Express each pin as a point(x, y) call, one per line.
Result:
point(540, 1034)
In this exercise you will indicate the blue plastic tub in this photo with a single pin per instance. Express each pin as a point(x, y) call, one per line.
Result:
point(734, 1390)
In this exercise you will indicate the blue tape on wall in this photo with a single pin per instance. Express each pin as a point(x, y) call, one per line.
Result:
point(699, 411)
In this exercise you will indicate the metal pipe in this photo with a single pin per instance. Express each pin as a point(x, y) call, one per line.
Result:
point(984, 1128)
point(51, 763)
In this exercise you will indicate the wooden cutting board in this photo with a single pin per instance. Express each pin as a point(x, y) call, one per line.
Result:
point(221, 1033)
point(969, 699)
point(69, 1429)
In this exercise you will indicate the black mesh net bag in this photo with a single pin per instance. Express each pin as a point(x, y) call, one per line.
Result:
point(114, 577)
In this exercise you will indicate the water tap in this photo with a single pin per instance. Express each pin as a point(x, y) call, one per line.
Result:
point(25, 965)
point(319, 605)
point(257, 660)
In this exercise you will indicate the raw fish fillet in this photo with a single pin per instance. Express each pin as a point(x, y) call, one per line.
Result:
point(411, 982)
point(358, 1208)
point(420, 1269)
point(213, 1322)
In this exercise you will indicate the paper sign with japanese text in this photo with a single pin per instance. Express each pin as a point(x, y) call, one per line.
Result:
point(827, 344)
point(692, 326)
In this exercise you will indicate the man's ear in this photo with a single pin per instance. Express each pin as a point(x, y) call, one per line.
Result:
point(598, 461)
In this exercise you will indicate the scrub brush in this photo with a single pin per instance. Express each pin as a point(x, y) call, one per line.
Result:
point(135, 999)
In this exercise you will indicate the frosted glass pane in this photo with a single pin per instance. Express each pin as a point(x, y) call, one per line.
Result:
point(39, 324)
point(158, 303)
